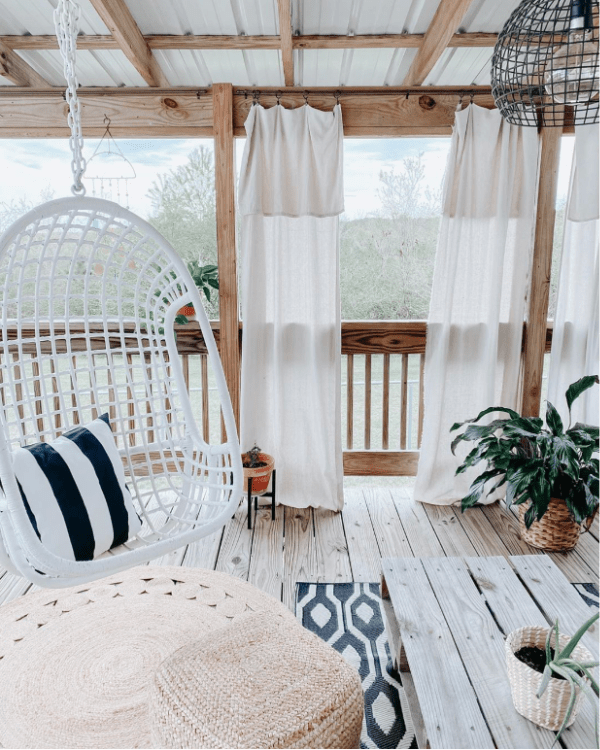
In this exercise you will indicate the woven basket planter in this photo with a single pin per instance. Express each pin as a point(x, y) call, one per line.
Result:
point(555, 532)
point(549, 710)
point(261, 476)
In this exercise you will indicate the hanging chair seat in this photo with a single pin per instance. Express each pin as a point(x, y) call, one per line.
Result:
point(88, 297)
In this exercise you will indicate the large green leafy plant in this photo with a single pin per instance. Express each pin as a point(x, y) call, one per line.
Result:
point(536, 462)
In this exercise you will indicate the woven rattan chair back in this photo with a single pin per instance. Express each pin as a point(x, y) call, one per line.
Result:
point(89, 294)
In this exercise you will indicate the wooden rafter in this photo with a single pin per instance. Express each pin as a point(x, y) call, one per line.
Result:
point(117, 16)
point(437, 37)
point(285, 32)
point(273, 41)
point(13, 67)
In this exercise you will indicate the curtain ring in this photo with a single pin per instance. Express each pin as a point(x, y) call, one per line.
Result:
point(278, 97)
point(305, 95)
point(471, 97)
point(255, 97)
point(407, 95)
point(459, 106)
point(337, 95)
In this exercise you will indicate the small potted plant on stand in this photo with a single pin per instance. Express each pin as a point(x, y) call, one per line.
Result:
point(205, 278)
point(258, 468)
point(550, 473)
point(549, 673)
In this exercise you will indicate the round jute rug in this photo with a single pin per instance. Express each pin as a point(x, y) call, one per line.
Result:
point(76, 664)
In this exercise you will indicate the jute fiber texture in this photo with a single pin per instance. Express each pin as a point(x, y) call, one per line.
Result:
point(549, 710)
point(77, 664)
point(556, 531)
point(261, 683)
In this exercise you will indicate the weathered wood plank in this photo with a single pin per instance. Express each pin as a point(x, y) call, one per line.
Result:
point(349, 401)
point(481, 648)
point(236, 546)
point(481, 533)
point(204, 552)
point(385, 406)
point(333, 561)
point(442, 685)
point(404, 402)
point(381, 463)
point(449, 532)
point(361, 541)
point(417, 527)
point(266, 562)
point(19, 72)
point(284, 11)
point(555, 596)
point(367, 440)
point(390, 535)
point(300, 558)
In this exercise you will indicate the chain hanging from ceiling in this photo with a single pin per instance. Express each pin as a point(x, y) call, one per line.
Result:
point(545, 64)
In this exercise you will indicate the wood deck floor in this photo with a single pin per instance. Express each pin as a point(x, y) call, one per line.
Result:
point(316, 545)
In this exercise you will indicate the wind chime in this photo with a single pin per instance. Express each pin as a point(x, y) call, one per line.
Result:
point(109, 170)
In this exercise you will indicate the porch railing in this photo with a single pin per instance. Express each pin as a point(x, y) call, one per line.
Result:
point(382, 391)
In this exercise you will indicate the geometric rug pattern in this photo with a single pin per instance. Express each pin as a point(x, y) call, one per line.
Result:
point(349, 617)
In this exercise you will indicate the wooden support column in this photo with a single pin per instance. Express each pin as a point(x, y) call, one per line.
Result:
point(537, 316)
point(225, 205)
point(13, 67)
point(285, 34)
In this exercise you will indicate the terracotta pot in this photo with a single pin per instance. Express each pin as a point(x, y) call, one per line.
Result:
point(548, 711)
point(261, 476)
point(187, 310)
point(557, 531)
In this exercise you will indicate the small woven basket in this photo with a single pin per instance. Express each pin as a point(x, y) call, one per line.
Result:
point(557, 531)
point(549, 710)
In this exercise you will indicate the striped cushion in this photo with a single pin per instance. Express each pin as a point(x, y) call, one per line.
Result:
point(75, 494)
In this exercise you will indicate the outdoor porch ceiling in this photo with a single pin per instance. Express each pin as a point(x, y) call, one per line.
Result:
point(309, 43)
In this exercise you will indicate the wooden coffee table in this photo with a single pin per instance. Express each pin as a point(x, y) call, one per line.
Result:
point(447, 619)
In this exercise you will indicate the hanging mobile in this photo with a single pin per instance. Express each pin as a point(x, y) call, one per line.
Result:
point(108, 163)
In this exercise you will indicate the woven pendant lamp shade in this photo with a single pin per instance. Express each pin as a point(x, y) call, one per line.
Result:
point(545, 64)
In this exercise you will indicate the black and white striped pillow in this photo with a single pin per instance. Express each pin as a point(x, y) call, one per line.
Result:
point(75, 494)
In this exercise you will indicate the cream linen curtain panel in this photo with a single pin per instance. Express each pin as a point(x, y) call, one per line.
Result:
point(575, 335)
point(479, 289)
point(290, 198)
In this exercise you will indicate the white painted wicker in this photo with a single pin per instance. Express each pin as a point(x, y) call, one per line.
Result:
point(549, 710)
point(97, 286)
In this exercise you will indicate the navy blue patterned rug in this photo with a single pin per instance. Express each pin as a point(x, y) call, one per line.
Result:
point(349, 617)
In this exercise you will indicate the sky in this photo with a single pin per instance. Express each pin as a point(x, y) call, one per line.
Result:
point(33, 168)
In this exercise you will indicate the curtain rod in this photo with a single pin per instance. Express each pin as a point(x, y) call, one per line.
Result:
point(406, 91)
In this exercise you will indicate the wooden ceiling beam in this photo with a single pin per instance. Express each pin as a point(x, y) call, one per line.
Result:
point(273, 41)
point(284, 8)
point(13, 67)
point(437, 37)
point(117, 16)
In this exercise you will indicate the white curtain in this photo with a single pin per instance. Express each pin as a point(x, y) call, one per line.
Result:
point(479, 289)
point(575, 336)
point(290, 198)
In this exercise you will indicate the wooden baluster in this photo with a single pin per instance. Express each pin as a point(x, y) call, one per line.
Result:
point(149, 419)
point(385, 429)
point(168, 409)
point(404, 402)
point(130, 403)
point(19, 390)
point(112, 395)
point(74, 403)
point(55, 390)
point(367, 401)
point(93, 382)
point(185, 365)
point(421, 396)
point(37, 389)
point(350, 401)
point(205, 402)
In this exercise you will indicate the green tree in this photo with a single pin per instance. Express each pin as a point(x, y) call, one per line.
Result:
point(183, 211)
point(387, 261)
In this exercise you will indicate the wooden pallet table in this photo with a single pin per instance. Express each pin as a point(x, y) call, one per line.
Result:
point(447, 619)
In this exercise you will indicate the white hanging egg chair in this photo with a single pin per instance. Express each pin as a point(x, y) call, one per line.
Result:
point(89, 294)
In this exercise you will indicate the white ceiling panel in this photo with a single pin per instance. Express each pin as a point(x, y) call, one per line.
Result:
point(192, 68)
point(36, 17)
point(94, 68)
point(460, 66)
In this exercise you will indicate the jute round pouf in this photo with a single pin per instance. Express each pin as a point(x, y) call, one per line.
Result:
point(262, 683)
point(76, 664)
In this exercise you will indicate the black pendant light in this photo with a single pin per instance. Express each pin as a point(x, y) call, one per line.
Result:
point(545, 64)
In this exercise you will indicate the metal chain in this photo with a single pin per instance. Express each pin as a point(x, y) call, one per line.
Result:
point(66, 23)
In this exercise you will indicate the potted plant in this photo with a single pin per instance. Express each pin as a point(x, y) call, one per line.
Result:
point(204, 277)
point(258, 466)
point(550, 473)
point(549, 673)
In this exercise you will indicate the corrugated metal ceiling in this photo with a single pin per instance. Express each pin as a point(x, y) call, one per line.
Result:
point(323, 67)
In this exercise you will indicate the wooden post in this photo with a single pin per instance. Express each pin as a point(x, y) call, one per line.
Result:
point(225, 206)
point(537, 317)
